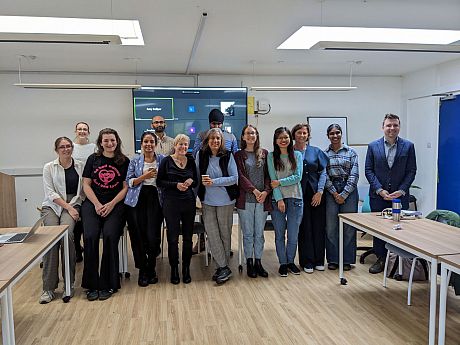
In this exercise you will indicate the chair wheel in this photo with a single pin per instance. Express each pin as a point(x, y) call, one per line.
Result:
point(127, 275)
point(66, 299)
point(41, 264)
point(398, 277)
point(240, 268)
point(343, 281)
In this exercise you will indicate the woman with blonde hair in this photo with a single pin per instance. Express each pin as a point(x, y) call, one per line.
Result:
point(177, 176)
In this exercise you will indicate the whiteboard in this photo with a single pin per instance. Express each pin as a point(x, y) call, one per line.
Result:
point(318, 135)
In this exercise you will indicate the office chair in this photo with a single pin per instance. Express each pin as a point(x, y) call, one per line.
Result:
point(366, 208)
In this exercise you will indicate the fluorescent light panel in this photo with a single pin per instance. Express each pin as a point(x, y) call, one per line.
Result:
point(76, 86)
point(129, 31)
point(303, 88)
point(308, 36)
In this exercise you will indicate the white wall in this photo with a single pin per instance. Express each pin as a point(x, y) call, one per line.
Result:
point(32, 119)
point(422, 113)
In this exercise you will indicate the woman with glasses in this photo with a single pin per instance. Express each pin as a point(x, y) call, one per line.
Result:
point(82, 149)
point(341, 197)
point(63, 192)
point(253, 202)
point(145, 209)
point(105, 186)
point(285, 170)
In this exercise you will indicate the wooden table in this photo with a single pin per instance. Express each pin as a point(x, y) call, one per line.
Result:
point(17, 259)
point(448, 263)
point(423, 237)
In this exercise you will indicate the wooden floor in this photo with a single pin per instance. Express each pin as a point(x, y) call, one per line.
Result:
point(305, 309)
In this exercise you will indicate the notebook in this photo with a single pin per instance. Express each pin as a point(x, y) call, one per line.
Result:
point(19, 237)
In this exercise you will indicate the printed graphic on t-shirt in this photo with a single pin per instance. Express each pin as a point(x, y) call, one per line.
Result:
point(106, 176)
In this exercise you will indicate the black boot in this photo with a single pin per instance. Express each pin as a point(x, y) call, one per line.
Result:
point(175, 279)
point(142, 280)
point(186, 278)
point(250, 268)
point(260, 269)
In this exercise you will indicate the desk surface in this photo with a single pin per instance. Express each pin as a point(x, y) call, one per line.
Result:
point(453, 260)
point(16, 257)
point(426, 236)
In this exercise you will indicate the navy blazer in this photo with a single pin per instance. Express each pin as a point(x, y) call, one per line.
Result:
point(399, 177)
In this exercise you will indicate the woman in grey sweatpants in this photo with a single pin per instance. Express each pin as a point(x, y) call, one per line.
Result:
point(219, 177)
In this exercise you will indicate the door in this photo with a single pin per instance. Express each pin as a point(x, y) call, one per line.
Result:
point(449, 155)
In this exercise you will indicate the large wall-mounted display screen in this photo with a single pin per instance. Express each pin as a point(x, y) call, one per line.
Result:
point(186, 110)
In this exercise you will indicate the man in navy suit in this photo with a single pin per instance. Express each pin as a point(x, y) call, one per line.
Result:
point(390, 169)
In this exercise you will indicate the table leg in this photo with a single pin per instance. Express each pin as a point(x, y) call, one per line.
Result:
point(9, 309)
point(433, 286)
point(240, 247)
point(442, 305)
point(66, 263)
point(5, 319)
point(343, 281)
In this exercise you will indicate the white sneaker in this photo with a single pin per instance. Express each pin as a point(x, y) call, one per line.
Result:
point(46, 297)
point(319, 268)
point(308, 270)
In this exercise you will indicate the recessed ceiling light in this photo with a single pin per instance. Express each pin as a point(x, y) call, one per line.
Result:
point(319, 37)
point(69, 30)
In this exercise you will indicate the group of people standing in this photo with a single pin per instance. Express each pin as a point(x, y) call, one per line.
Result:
point(303, 188)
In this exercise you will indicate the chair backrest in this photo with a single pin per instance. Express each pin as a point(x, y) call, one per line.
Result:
point(366, 205)
point(445, 216)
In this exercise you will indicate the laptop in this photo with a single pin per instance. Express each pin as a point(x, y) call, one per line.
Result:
point(19, 237)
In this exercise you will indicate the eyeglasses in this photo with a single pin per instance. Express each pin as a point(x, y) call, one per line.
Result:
point(158, 122)
point(63, 147)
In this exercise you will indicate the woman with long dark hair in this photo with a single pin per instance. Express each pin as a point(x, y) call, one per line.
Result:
point(342, 197)
point(145, 209)
point(61, 206)
point(177, 176)
point(253, 202)
point(103, 212)
point(217, 193)
point(285, 170)
point(312, 228)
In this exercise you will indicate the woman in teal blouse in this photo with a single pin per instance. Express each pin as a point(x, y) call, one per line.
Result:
point(285, 170)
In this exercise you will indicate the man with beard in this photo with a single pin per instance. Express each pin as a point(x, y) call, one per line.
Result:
point(165, 144)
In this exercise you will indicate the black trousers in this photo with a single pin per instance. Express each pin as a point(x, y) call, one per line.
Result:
point(177, 212)
point(144, 224)
point(312, 231)
point(111, 228)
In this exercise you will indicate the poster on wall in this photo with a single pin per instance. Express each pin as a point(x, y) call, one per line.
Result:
point(319, 125)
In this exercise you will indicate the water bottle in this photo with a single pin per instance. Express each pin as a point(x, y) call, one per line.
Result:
point(396, 210)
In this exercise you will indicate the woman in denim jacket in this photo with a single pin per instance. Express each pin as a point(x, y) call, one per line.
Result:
point(145, 211)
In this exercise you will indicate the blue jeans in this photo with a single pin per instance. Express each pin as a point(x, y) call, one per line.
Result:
point(332, 227)
point(289, 220)
point(253, 219)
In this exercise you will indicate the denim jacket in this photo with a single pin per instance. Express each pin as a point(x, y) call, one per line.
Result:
point(136, 169)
